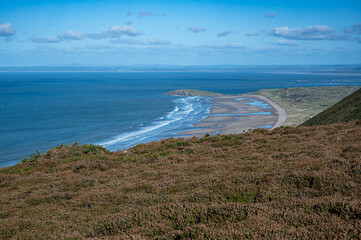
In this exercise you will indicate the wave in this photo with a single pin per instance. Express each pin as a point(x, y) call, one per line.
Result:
point(176, 109)
point(185, 110)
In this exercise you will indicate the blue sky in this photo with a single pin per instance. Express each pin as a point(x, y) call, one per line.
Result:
point(34, 33)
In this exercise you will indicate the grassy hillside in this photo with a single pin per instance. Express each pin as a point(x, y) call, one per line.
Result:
point(347, 109)
point(302, 182)
point(303, 103)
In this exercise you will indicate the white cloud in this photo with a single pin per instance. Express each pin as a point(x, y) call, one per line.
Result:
point(113, 32)
point(116, 31)
point(73, 35)
point(123, 30)
point(318, 32)
point(6, 30)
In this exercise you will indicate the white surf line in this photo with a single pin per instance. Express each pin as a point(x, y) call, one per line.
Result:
point(281, 113)
point(188, 108)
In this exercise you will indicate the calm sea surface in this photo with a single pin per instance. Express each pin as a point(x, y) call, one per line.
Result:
point(42, 110)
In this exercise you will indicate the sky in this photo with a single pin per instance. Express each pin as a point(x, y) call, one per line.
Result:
point(179, 32)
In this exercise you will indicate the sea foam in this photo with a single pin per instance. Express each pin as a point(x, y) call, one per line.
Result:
point(184, 112)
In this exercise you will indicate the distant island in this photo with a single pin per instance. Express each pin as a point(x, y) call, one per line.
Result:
point(191, 93)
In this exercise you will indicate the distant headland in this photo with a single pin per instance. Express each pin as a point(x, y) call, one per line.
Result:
point(191, 93)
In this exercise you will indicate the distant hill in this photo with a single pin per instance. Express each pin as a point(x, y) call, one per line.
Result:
point(302, 103)
point(347, 109)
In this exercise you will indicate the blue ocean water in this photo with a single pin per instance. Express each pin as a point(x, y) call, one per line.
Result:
point(42, 110)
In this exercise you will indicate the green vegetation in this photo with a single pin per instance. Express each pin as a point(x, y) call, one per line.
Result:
point(347, 109)
point(291, 183)
point(303, 103)
point(191, 92)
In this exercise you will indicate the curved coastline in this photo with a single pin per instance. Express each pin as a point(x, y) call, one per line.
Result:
point(282, 115)
point(234, 114)
point(227, 114)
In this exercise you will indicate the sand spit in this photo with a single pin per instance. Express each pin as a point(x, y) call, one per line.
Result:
point(233, 114)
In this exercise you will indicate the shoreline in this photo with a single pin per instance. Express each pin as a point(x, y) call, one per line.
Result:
point(234, 114)
point(281, 112)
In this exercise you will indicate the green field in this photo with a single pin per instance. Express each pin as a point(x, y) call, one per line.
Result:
point(303, 103)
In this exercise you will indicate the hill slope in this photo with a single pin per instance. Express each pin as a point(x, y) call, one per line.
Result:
point(288, 183)
point(346, 110)
point(301, 103)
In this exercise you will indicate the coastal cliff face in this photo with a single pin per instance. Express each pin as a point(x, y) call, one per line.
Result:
point(191, 93)
point(287, 183)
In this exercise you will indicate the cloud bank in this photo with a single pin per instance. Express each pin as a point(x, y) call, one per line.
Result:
point(73, 35)
point(113, 32)
point(318, 32)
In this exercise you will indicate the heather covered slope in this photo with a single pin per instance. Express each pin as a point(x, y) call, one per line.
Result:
point(302, 182)
point(347, 109)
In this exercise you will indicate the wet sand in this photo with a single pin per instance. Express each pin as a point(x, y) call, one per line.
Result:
point(233, 114)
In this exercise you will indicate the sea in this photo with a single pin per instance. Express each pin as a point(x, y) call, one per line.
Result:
point(40, 110)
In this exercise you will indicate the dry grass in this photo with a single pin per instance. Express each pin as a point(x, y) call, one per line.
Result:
point(289, 183)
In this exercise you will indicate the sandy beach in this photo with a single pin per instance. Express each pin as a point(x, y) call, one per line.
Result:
point(233, 114)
